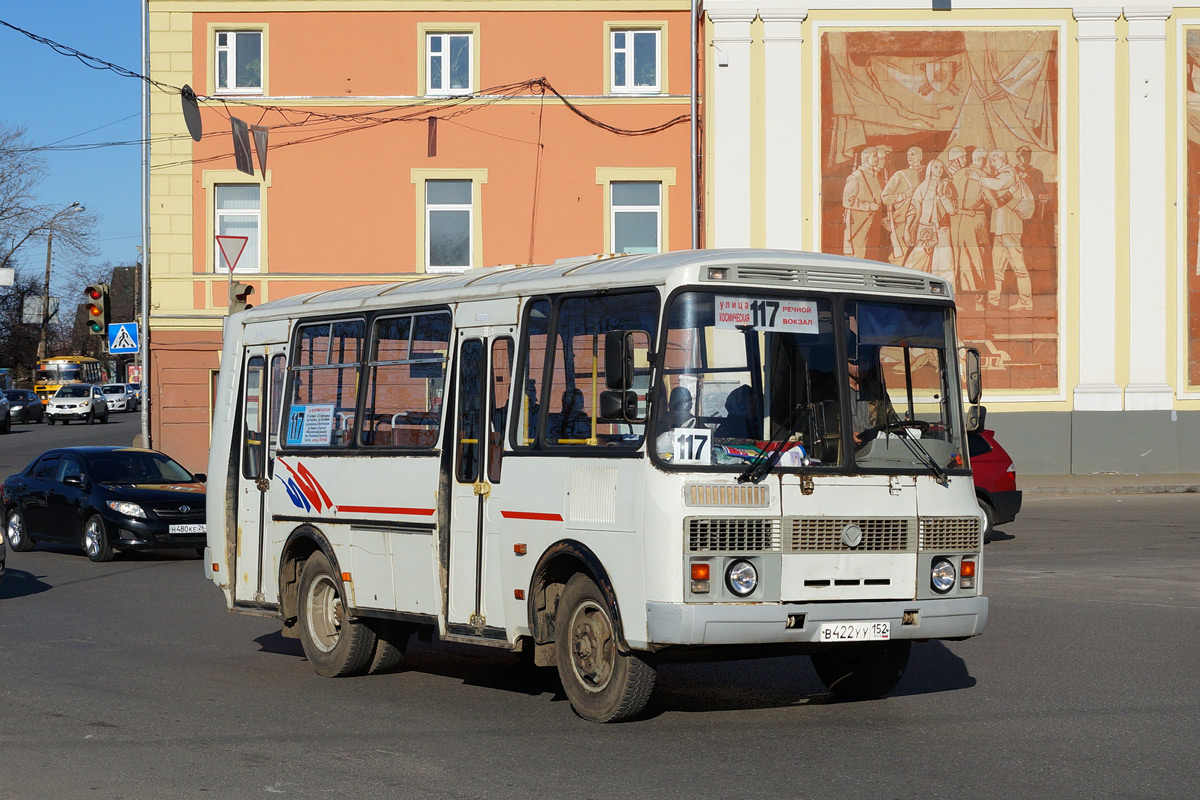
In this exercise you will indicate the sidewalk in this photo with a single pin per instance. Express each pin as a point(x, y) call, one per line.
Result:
point(1108, 483)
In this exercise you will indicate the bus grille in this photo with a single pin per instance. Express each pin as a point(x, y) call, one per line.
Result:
point(950, 533)
point(824, 534)
point(733, 534)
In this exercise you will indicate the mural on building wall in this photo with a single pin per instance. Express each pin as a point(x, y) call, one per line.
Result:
point(1193, 205)
point(940, 152)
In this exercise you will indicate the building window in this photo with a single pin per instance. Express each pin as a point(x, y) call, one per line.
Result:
point(635, 61)
point(448, 63)
point(448, 225)
point(237, 211)
point(239, 62)
point(636, 216)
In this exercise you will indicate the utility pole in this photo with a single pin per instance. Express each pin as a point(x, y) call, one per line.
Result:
point(74, 207)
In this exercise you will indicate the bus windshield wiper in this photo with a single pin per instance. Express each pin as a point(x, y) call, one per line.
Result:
point(922, 453)
point(766, 460)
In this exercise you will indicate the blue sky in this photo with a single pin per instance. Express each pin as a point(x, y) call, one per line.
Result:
point(56, 99)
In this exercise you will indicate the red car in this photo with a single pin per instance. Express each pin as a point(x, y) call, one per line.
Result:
point(995, 480)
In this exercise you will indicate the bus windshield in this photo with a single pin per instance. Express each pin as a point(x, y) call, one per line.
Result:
point(61, 373)
point(863, 384)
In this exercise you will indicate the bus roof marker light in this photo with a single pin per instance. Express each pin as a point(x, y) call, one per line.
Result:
point(718, 273)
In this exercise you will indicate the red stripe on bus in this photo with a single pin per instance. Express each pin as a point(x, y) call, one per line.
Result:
point(531, 515)
point(420, 512)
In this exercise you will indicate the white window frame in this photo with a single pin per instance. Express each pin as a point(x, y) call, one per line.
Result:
point(623, 84)
point(220, 214)
point(420, 177)
point(444, 38)
point(656, 208)
point(663, 176)
point(230, 50)
point(432, 208)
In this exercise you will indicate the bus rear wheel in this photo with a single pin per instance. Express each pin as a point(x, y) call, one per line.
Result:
point(864, 670)
point(602, 683)
point(336, 643)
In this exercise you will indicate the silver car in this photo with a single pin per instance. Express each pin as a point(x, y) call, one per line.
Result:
point(119, 397)
point(83, 401)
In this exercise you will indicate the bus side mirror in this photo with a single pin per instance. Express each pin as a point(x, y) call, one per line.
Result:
point(976, 415)
point(618, 360)
point(974, 376)
point(619, 406)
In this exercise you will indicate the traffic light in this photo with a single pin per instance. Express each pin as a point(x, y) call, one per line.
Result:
point(96, 304)
point(238, 294)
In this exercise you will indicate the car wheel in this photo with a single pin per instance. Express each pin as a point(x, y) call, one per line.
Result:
point(602, 683)
point(49, 420)
point(336, 643)
point(15, 531)
point(7, 426)
point(989, 519)
point(95, 539)
point(91, 417)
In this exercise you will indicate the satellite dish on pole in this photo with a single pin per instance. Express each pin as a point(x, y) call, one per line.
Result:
point(191, 112)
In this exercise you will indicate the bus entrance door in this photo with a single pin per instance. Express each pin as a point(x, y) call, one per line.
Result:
point(485, 358)
point(261, 392)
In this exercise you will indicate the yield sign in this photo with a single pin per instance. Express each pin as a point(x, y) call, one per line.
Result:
point(231, 248)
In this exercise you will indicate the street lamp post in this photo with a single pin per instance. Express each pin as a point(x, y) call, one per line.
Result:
point(71, 209)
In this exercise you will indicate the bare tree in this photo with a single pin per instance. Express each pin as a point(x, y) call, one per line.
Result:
point(21, 218)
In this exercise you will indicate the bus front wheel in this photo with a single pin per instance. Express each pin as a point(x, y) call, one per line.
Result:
point(336, 643)
point(602, 683)
point(863, 670)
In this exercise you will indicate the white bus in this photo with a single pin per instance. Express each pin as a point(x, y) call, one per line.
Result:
point(604, 463)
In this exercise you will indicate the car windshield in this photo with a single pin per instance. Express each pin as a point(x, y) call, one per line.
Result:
point(15, 395)
point(138, 467)
point(746, 373)
point(75, 390)
point(114, 388)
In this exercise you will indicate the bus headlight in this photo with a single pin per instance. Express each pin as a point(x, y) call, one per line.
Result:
point(741, 578)
point(941, 577)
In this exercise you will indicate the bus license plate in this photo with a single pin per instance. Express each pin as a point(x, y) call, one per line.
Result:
point(198, 528)
point(855, 631)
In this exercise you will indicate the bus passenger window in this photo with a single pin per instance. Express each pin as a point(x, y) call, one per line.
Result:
point(405, 381)
point(324, 384)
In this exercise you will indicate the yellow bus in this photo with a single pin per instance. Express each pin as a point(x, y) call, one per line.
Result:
point(58, 370)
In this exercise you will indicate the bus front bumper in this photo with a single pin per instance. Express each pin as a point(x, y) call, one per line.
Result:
point(759, 623)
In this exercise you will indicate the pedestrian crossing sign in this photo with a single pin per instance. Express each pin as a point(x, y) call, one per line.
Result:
point(122, 337)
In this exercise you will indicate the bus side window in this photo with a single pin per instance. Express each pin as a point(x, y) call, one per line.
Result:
point(529, 400)
point(252, 431)
point(501, 383)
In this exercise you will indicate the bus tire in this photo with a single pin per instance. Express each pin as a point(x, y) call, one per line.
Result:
point(392, 642)
point(602, 683)
point(335, 643)
point(863, 670)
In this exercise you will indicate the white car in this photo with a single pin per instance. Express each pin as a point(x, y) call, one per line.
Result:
point(77, 401)
point(120, 397)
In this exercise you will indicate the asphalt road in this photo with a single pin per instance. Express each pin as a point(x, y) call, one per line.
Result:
point(130, 680)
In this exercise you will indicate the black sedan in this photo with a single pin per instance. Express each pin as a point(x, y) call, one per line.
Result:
point(25, 405)
point(103, 498)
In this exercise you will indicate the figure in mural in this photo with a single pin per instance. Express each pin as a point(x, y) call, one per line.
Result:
point(969, 224)
point(1034, 180)
point(928, 223)
point(897, 196)
point(862, 199)
point(1010, 200)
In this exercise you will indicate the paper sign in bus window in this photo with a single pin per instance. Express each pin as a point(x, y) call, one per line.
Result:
point(692, 446)
point(310, 425)
point(767, 314)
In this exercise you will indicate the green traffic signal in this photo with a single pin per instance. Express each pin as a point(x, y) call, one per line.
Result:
point(96, 305)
